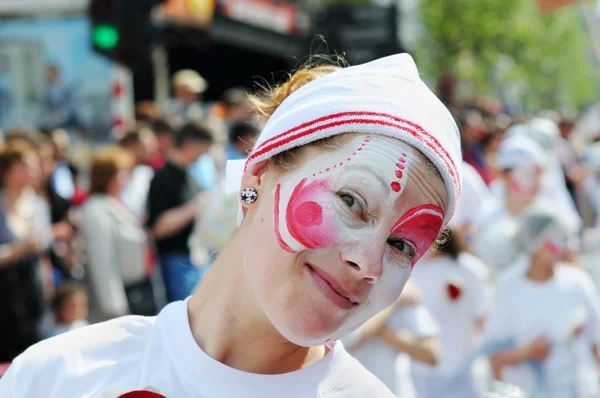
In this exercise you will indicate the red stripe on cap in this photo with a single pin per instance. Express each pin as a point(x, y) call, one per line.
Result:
point(438, 149)
point(343, 114)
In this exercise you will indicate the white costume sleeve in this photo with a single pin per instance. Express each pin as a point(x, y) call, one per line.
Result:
point(593, 304)
point(415, 318)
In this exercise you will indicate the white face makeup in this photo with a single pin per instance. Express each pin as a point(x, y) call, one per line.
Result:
point(357, 220)
point(524, 179)
point(555, 241)
point(306, 213)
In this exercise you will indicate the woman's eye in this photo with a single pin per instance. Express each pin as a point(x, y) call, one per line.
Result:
point(349, 200)
point(403, 247)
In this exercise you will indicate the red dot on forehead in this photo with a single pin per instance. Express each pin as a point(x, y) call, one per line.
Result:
point(327, 169)
point(400, 166)
point(403, 160)
point(395, 186)
point(349, 159)
point(341, 163)
point(360, 149)
point(399, 173)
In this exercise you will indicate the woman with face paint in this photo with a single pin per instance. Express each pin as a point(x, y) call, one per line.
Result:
point(350, 182)
point(548, 314)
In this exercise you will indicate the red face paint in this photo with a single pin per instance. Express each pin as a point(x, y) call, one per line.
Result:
point(283, 245)
point(420, 226)
point(305, 217)
point(554, 249)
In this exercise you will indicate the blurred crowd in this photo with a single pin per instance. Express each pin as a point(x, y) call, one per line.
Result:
point(86, 243)
point(509, 294)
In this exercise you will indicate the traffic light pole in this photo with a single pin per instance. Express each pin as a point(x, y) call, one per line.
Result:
point(160, 64)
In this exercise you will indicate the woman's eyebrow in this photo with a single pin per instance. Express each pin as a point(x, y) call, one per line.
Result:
point(370, 170)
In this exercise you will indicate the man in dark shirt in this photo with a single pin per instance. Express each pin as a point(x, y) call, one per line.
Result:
point(173, 204)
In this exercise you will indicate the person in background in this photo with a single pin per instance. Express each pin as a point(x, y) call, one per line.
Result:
point(62, 180)
point(471, 133)
point(70, 309)
point(405, 327)
point(241, 140)
point(238, 106)
point(521, 164)
point(173, 204)
point(188, 87)
point(164, 132)
point(58, 107)
point(135, 194)
point(62, 228)
point(547, 315)
point(21, 294)
point(80, 194)
point(454, 291)
point(120, 255)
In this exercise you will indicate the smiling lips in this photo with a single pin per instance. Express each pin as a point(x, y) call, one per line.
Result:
point(332, 289)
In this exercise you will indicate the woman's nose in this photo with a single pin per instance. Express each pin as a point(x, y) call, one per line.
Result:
point(366, 262)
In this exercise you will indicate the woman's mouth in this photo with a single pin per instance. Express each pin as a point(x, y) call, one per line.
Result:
point(331, 289)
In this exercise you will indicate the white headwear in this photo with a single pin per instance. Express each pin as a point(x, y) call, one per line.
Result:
point(545, 132)
point(474, 192)
point(385, 97)
point(519, 150)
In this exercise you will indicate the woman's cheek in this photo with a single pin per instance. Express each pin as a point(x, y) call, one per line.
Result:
point(309, 216)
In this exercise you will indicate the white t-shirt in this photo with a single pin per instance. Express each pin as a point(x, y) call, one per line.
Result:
point(566, 311)
point(135, 352)
point(135, 194)
point(457, 314)
point(379, 357)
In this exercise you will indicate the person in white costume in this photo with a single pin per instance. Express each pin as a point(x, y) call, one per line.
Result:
point(521, 162)
point(405, 327)
point(453, 283)
point(350, 182)
point(547, 315)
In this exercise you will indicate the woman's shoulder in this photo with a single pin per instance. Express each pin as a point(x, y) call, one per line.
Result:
point(82, 359)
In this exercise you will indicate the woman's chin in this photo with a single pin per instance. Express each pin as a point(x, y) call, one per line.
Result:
point(308, 333)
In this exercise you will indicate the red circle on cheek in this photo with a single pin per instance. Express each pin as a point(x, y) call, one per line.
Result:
point(309, 214)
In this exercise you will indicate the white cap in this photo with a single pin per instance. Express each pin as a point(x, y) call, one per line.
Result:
point(385, 97)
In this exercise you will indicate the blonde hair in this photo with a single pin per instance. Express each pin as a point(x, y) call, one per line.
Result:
point(266, 102)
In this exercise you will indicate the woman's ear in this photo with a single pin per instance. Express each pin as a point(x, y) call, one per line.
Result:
point(253, 179)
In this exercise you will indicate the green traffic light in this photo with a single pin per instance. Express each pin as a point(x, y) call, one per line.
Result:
point(105, 36)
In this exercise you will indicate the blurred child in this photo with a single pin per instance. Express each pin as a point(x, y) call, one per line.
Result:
point(70, 307)
point(547, 314)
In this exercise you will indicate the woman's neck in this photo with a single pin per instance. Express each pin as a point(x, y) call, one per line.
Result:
point(516, 204)
point(229, 325)
point(540, 271)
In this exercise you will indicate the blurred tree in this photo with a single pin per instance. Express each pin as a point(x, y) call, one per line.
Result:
point(495, 44)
